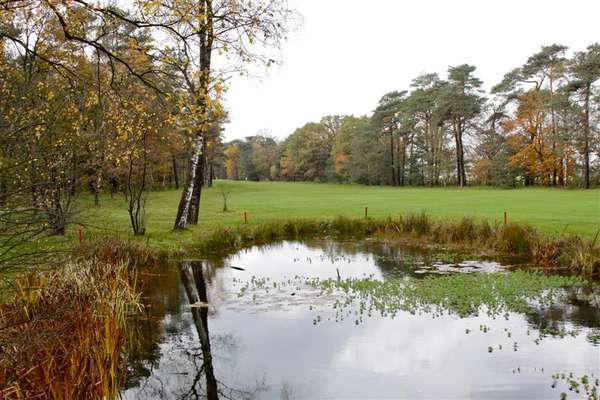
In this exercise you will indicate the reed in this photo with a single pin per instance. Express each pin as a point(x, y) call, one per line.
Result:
point(63, 333)
point(116, 250)
point(516, 239)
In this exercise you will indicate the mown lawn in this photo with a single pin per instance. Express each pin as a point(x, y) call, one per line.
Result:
point(551, 210)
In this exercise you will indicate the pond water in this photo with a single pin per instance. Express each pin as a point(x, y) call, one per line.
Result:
point(282, 341)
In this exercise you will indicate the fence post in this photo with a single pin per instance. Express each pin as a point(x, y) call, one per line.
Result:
point(245, 217)
point(505, 218)
point(366, 212)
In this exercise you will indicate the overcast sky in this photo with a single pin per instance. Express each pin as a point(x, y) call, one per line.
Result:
point(348, 53)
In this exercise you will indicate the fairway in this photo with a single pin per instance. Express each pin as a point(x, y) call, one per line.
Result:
point(551, 210)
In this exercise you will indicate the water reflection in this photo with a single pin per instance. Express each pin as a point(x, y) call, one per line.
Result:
point(174, 358)
point(192, 278)
point(266, 347)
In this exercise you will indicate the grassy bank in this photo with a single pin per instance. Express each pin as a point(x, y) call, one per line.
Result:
point(552, 211)
point(574, 253)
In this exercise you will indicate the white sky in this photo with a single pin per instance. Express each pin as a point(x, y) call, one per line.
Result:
point(348, 53)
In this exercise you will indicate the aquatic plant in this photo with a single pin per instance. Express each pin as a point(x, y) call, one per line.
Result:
point(62, 334)
point(463, 294)
point(585, 384)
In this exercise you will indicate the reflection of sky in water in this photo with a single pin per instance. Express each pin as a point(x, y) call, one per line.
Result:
point(289, 259)
point(279, 353)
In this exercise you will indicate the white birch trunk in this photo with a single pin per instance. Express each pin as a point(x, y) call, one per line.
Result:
point(192, 179)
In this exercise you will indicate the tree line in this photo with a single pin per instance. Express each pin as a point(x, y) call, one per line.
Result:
point(539, 126)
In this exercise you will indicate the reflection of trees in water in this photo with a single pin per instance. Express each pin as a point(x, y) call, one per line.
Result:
point(161, 296)
point(192, 277)
point(287, 391)
point(573, 308)
point(185, 370)
point(393, 259)
point(397, 259)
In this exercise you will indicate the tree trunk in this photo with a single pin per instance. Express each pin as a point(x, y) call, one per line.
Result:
point(73, 187)
point(554, 169)
point(402, 162)
point(211, 173)
point(136, 186)
point(97, 186)
point(3, 191)
point(185, 203)
point(460, 161)
point(431, 150)
point(175, 172)
point(394, 178)
point(197, 193)
point(553, 119)
point(411, 180)
point(34, 186)
point(114, 186)
point(561, 181)
point(586, 139)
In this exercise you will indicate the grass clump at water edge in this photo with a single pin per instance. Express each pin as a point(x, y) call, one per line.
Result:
point(116, 250)
point(62, 333)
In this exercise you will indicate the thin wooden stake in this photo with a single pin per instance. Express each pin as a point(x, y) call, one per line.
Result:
point(245, 217)
point(80, 235)
point(505, 218)
point(366, 212)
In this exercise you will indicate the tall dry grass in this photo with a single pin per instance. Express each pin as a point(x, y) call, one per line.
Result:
point(62, 333)
point(116, 250)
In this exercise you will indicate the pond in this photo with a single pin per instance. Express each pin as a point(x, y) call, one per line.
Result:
point(250, 326)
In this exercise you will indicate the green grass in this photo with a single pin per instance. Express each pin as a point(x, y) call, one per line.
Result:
point(553, 211)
